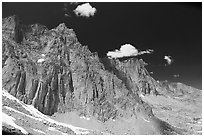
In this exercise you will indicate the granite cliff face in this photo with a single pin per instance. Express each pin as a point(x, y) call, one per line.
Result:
point(52, 71)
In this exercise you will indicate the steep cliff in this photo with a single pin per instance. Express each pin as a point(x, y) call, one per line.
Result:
point(52, 71)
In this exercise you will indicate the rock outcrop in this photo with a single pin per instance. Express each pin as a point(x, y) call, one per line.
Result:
point(52, 71)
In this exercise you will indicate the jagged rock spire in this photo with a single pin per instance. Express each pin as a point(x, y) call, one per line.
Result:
point(57, 74)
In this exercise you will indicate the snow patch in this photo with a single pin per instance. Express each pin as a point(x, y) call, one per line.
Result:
point(145, 120)
point(29, 108)
point(41, 60)
point(9, 96)
point(51, 128)
point(142, 95)
point(199, 122)
point(35, 112)
point(11, 109)
point(37, 130)
point(86, 118)
point(10, 121)
point(43, 117)
point(200, 131)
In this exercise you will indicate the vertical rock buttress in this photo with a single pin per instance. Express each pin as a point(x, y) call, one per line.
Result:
point(52, 71)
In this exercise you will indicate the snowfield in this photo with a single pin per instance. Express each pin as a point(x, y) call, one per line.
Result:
point(10, 121)
point(36, 115)
point(38, 131)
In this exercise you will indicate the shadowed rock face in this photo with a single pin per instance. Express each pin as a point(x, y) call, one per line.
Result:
point(52, 71)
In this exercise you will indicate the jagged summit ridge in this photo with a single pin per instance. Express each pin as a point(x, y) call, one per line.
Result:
point(51, 70)
point(68, 73)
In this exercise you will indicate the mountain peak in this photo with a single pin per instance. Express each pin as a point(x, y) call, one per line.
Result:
point(52, 71)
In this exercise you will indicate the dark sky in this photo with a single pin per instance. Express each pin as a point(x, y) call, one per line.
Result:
point(173, 29)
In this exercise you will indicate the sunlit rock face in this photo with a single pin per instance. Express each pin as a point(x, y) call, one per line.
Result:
point(52, 71)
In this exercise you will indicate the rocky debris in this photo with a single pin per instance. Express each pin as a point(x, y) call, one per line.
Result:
point(34, 122)
point(182, 91)
point(52, 71)
point(10, 131)
point(179, 112)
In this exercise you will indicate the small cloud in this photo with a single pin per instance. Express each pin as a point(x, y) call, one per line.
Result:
point(146, 52)
point(126, 51)
point(168, 59)
point(176, 75)
point(85, 10)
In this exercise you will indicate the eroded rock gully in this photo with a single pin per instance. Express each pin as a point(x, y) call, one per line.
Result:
point(52, 71)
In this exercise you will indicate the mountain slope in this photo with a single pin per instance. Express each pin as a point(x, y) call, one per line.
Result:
point(52, 71)
point(25, 119)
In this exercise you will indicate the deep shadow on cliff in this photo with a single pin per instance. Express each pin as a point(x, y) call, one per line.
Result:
point(52, 71)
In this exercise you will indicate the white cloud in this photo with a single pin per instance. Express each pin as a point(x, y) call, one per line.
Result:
point(146, 52)
point(85, 10)
point(168, 59)
point(126, 51)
